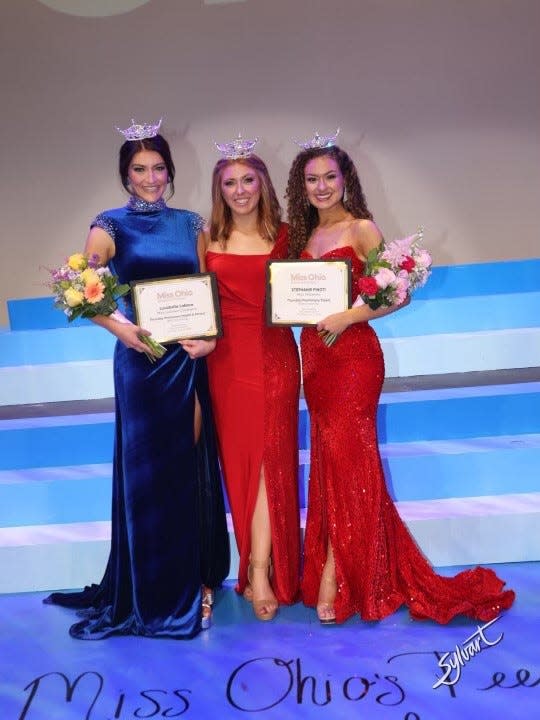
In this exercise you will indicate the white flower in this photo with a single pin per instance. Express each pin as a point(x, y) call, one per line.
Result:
point(422, 258)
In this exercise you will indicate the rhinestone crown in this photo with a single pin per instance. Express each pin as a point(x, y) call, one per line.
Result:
point(318, 141)
point(140, 132)
point(237, 148)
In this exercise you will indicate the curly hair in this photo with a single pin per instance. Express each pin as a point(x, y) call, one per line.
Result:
point(131, 147)
point(269, 217)
point(303, 217)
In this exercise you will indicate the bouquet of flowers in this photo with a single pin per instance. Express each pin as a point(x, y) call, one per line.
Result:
point(83, 288)
point(393, 271)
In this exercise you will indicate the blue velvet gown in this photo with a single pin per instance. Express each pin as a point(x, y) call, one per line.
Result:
point(169, 533)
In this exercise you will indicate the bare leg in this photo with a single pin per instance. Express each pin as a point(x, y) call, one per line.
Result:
point(197, 420)
point(327, 590)
point(265, 604)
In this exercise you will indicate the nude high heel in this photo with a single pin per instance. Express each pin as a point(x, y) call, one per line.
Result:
point(266, 608)
point(325, 602)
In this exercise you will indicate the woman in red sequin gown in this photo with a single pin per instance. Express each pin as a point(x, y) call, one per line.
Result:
point(254, 384)
point(358, 555)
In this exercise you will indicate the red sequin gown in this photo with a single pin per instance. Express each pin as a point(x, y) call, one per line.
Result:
point(378, 564)
point(254, 377)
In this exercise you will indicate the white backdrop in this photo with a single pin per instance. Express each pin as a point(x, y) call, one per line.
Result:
point(438, 103)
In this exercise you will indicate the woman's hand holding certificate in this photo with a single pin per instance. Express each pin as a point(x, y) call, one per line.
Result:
point(303, 292)
point(178, 308)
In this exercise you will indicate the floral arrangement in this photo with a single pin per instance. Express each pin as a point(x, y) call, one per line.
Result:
point(84, 288)
point(392, 271)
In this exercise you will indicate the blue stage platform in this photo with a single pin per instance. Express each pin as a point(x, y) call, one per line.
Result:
point(459, 433)
point(458, 427)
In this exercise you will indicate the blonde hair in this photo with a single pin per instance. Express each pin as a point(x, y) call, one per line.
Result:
point(269, 215)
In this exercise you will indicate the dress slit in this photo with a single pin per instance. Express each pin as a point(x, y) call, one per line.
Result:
point(168, 529)
point(379, 566)
point(254, 383)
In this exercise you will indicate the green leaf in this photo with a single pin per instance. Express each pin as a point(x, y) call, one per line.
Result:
point(122, 290)
point(372, 255)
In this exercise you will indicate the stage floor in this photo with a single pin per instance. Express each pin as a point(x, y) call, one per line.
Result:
point(288, 668)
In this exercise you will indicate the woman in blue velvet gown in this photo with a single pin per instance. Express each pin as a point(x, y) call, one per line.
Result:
point(169, 541)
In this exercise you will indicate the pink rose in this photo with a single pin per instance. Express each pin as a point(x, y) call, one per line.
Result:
point(384, 277)
point(402, 286)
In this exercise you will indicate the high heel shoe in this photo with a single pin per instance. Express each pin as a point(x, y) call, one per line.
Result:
point(266, 608)
point(207, 600)
point(248, 590)
point(325, 602)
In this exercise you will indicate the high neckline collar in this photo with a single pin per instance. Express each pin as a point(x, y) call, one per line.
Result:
point(140, 205)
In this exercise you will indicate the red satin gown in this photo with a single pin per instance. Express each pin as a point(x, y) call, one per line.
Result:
point(254, 377)
point(378, 564)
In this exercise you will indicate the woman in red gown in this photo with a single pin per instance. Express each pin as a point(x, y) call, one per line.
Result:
point(254, 384)
point(358, 555)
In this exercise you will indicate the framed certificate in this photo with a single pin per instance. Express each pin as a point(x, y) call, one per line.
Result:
point(303, 292)
point(178, 308)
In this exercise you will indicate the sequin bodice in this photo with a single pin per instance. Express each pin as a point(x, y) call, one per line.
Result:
point(346, 251)
point(378, 565)
point(151, 240)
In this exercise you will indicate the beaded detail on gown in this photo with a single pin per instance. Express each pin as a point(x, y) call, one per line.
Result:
point(168, 528)
point(379, 567)
point(254, 384)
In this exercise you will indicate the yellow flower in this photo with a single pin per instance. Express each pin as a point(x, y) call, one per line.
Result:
point(94, 292)
point(77, 261)
point(90, 277)
point(73, 297)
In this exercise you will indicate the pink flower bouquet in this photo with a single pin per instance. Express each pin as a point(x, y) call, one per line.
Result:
point(83, 288)
point(393, 271)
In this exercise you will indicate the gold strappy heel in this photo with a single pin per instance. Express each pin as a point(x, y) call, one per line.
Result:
point(266, 608)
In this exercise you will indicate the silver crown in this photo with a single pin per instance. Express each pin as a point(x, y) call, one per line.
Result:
point(237, 148)
point(140, 132)
point(318, 141)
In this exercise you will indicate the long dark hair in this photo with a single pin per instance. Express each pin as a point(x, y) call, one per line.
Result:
point(269, 217)
point(132, 147)
point(302, 215)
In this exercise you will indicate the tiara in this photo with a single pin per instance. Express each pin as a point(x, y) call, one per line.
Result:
point(318, 141)
point(237, 148)
point(140, 132)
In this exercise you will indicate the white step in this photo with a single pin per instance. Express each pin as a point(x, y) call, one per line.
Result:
point(465, 531)
point(404, 357)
